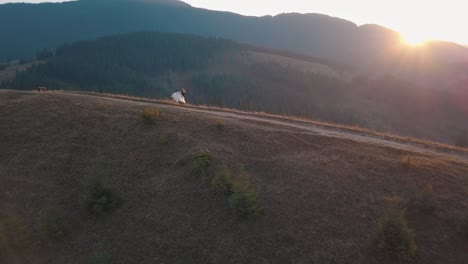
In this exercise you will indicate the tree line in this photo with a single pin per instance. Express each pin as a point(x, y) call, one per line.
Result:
point(128, 63)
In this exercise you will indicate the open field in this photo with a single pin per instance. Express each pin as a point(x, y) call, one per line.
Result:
point(322, 188)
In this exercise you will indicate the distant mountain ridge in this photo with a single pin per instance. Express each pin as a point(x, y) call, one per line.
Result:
point(27, 28)
point(164, 2)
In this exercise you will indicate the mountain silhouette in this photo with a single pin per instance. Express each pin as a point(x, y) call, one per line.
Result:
point(26, 28)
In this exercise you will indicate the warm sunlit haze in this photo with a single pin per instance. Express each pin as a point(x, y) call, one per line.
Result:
point(417, 20)
point(414, 40)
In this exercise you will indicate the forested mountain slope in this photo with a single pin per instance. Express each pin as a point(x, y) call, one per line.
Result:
point(27, 28)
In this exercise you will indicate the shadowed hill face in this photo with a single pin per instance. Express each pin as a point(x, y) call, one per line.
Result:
point(322, 196)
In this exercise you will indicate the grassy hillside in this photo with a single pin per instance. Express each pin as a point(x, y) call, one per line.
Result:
point(225, 73)
point(320, 198)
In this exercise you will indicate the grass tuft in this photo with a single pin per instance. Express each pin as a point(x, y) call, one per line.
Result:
point(220, 124)
point(150, 115)
point(200, 163)
point(407, 161)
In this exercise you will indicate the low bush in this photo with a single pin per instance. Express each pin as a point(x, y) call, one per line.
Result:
point(54, 226)
point(241, 195)
point(393, 237)
point(150, 115)
point(223, 182)
point(200, 163)
point(426, 200)
point(243, 199)
point(244, 204)
point(102, 197)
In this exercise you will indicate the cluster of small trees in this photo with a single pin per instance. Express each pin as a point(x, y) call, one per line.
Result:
point(240, 194)
point(393, 235)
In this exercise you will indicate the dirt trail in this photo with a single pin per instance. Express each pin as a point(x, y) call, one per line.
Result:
point(311, 128)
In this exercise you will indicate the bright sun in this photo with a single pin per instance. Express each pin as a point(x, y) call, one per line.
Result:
point(414, 40)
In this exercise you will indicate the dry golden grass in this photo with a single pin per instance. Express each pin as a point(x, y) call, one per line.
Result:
point(220, 124)
point(407, 161)
point(150, 115)
point(413, 161)
point(347, 128)
point(311, 186)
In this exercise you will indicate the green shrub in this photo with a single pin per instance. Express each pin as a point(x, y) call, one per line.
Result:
point(393, 236)
point(14, 236)
point(54, 226)
point(426, 200)
point(243, 199)
point(150, 115)
point(200, 163)
point(223, 182)
point(102, 197)
point(241, 195)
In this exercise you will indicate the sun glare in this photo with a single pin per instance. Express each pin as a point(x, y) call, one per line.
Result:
point(413, 40)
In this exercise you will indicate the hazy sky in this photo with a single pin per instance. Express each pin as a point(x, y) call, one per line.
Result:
point(417, 20)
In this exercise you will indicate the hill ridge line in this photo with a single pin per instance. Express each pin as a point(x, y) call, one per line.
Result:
point(324, 129)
